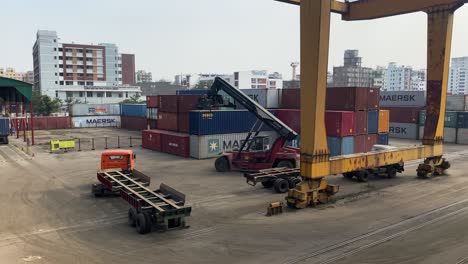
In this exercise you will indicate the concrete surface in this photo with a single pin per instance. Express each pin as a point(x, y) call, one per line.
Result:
point(49, 215)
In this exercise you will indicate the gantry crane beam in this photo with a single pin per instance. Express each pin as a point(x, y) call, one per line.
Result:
point(315, 33)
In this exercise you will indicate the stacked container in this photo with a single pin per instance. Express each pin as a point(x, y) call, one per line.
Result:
point(133, 116)
point(95, 115)
point(404, 108)
point(450, 126)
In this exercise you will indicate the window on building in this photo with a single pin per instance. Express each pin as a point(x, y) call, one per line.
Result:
point(81, 83)
point(60, 57)
point(89, 59)
point(61, 74)
point(89, 83)
point(69, 94)
point(69, 66)
point(79, 50)
point(68, 50)
point(55, 74)
point(61, 82)
point(100, 94)
point(253, 80)
point(55, 65)
point(108, 94)
point(56, 94)
point(60, 49)
point(254, 86)
point(68, 82)
point(126, 94)
point(60, 65)
point(88, 51)
point(69, 74)
point(100, 76)
point(89, 94)
point(55, 57)
point(120, 95)
point(56, 82)
point(120, 72)
point(80, 94)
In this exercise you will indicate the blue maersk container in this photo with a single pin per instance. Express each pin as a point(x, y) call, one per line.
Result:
point(133, 110)
point(383, 139)
point(205, 122)
point(373, 122)
point(192, 92)
point(4, 126)
point(340, 145)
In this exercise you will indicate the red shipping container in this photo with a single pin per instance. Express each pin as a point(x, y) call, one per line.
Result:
point(168, 103)
point(339, 123)
point(52, 122)
point(371, 140)
point(151, 139)
point(133, 123)
point(404, 114)
point(167, 121)
point(373, 98)
point(152, 101)
point(360, 122)
point(183, 122)
point(290, 99)
point(360, 144)
point(347, 98)
point(153, 124)
point(187, 102)
point(290, 117)
point(176, 143)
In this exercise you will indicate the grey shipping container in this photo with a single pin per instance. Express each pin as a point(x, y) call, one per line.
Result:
point(450, 118)
point(457, 103)
point(462, 136)
point(210, 146)
point(404, 130)
point(450, 134)
point(268, 98)
point(402, 98)
point(94, 109)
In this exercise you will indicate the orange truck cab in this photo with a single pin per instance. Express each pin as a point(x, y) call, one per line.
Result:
point(118, 159)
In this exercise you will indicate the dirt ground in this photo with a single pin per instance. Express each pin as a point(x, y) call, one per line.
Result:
point(50, 216)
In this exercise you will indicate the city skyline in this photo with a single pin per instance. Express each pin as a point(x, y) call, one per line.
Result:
point(167, 43)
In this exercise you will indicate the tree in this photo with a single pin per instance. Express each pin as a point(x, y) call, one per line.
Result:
point(201, 85)
point(44, 105)
point(134, 99)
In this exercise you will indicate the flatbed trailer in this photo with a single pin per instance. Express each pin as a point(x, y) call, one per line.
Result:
point(281, 179)
point(161, 210)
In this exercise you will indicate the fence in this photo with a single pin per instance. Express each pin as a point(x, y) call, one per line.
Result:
point(101, 143)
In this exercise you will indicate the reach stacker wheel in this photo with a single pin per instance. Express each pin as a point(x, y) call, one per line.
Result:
point(281, 185)
point(285, 164)
point(268, 184)
point(293, 182)
point(222, 164)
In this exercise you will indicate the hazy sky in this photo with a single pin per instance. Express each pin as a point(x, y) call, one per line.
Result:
point(210, 36)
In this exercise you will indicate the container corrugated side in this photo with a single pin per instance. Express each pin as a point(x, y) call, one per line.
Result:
point(4, 126)
point(168, 103)
point(404, 130)
point(462, 136)
point(373, 97)
point(187, 103)
point(462, 120)
point(96, 121)
point(290, 98)
point(95, 109)
point(360, 144)
point(402, 98)
point(340, 145)
point(192, 92)
point(290, 117)
point(152, 101)
point(339, 123)
point(220, 122)
point(210, 146)
point(133, 123)
point(176, 144)
point(347, 98)
point(360, 122)
point(151, 139)
point(457, 103)
point(133, 110)
point(404, 114)
point(168, 121)
point(384, 121)
point(450, 118)
point(373, 122)
point(450, 134)
point(371, 140)
point(383, 139)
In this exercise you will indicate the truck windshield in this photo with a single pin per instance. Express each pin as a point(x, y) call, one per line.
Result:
point(116, 157)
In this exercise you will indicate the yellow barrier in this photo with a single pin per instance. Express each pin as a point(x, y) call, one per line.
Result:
point(62, 144)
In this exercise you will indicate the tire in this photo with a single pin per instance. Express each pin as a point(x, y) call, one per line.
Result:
point(268, 184)
point(281, 185)
point(142, 224)
point(362, 176)
point(222, 164)
point(348, 175)
point(132, 214)
point(391, 172)
point(285, 164)
point(293, 182)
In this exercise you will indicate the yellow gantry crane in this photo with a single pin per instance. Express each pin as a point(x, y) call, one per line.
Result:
point(315, 33)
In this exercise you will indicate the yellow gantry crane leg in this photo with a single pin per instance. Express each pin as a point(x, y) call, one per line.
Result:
point(315, 33)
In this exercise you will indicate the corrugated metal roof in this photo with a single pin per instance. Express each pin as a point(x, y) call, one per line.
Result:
point(22, 88)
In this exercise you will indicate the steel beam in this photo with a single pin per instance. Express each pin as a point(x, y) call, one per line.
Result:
point(315, 34)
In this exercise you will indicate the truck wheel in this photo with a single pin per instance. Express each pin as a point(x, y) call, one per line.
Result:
point(99, 190)
point(285, 164)
point(362, 176)
point(348, 175)
point(222, 164)
point(132, 214)
point(391, 172)
point(281, 185)
point(293, 182)
point(268, 184)
point(142, 224)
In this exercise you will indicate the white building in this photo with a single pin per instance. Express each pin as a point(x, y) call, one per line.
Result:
point(418, 80)
point(205, 77)
point(458, 82)
point(258, 80)
point(98, 94)
point(183, 80)
point(397, 78)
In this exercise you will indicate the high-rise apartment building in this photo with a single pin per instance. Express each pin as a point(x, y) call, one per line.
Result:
point(20, 76)
point(352, 74)
point(61, 66)
point(458, 82)
point(258, 79)
point(144, 76)
point(404, 78)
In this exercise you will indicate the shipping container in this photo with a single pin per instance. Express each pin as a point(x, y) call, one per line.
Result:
point(450, 134)
point(360, 144)
point(462, 120)
point(176, 144)
point(373, 97)
point(404, 114)
point(204, 122)
point(457, 103)
point(347, 98)
point(290, 98)
point(383, 139)
point(133, 123)
point(4, 126)
point(450, 118)
point(193, 92)
point(290, 117)
point(152, 113)
point(151, 139)
point(384, 121)
point(96, 121)
point(152, 101)
point(371, 140)
point(168, 121)
point(402, 99)
point(152, 124)
point(462, 136)
point(373, 122)
point(404, 130)
point(168, 103)
point(209, 146)
point(339, 123)
point(340, 146)
point(360, 122)
point(95, 109)
point(183, 124)
point(187, 103)
point(134, 110)
point(268, 98)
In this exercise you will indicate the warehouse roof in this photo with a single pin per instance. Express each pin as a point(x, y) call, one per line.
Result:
point(18, 89)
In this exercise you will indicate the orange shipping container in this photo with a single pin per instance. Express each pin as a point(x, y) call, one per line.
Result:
point(384, 121)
